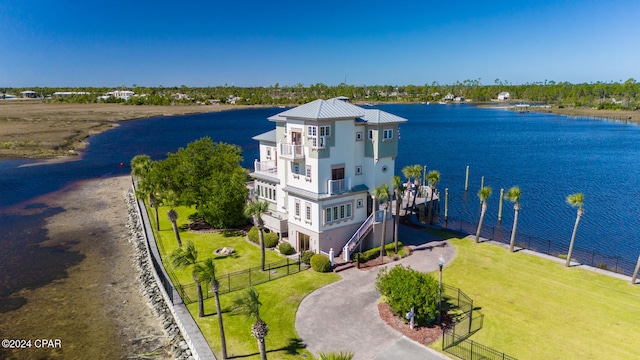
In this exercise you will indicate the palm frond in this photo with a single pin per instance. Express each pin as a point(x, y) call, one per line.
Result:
point(513, 194)
point(484, 193)
point(576, 199)
point(205, 271)
point(184, 256)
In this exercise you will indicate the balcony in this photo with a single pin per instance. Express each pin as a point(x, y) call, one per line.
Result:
point(265, 167)
point(338, 186)
point(291, 151)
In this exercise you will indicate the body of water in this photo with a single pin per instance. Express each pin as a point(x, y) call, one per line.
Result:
point(547, 156)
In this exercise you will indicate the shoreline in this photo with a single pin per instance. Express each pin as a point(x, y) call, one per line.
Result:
point(97, 309)
point(36, 130)
point(56, 133)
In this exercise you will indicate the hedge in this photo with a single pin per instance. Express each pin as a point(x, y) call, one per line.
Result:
point(270, 238)
point(365, 256)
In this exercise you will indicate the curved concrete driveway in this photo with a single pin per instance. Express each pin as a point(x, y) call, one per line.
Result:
point(344, 315)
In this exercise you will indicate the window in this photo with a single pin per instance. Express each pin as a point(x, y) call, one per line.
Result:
point(339, 212)
point(358, 170)
point(359, 136)
point(268, 153)
point(370, 134)
point(297, 209)
point(387, 134)
point(318, 135)
point(308, 211)
point(295, 169)
point(307, 172)
point(359, 203)
point(266, 191)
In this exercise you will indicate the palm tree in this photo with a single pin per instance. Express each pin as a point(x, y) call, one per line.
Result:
point(140, 166)
point(513, 195)
point(206, 272)
point(398, 188)
point(574, 200)
point(483, 194)
point(412, 173)
point(248, 304)
point(381, 193)
point(347, 355)
point(188, 256)
point(172, 215)
point(255, 209)
point(432, 178)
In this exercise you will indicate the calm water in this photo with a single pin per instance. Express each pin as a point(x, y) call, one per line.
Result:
point(547, 156)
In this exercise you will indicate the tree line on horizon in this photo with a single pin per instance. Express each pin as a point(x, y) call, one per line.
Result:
point(601, 95)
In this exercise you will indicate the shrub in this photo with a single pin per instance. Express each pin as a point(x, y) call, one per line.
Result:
point(286, 248)
point(306, 257)
point(270, 239)
point(375, 252)
point(320, 263)
point(405, 288)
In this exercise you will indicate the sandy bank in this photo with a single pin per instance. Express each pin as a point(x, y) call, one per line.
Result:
point(618, 115)
point(36, 129)
point(97, 311)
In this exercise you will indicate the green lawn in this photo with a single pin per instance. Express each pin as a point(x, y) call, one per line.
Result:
point(538, 309)
point(280, 298)
point(247, 254)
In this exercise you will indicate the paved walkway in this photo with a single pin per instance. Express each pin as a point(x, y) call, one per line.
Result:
point(344, 315)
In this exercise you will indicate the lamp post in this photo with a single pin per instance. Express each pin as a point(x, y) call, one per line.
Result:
point(440, 265)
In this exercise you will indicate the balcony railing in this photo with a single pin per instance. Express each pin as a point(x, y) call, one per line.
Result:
point(291, 151)
point(268, 167)
point(338, 186)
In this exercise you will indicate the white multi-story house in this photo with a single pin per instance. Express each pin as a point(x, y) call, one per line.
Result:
point(318, 169)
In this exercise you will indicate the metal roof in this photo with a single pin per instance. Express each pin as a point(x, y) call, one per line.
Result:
point(269, 136)
point(381, 117)
point(322, 109)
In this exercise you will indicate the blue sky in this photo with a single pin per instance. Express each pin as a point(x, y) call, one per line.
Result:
point(260, 43)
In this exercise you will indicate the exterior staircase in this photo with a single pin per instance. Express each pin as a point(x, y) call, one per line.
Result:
point(358, 236)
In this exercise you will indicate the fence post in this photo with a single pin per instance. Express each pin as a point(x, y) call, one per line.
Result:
point(299, 260)
point(228, 282)
point(617, 258)
point(287, 266)
point(470, 316)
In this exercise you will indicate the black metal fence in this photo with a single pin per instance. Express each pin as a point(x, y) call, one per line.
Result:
point(469, 349)
point(454, 336)
point(580, 255)
point(243, 279)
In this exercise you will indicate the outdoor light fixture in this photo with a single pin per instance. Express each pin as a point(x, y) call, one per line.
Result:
point(440, 265)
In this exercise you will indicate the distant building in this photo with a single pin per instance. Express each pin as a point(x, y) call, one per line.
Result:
point(459, 99)
point(70, 93)
point(449, 97)
point(503, 96)
point(118, 94)
point(28, 94)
